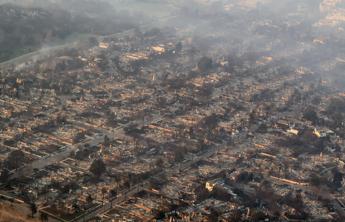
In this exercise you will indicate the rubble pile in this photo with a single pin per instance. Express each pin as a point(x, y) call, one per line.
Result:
point(145, 126)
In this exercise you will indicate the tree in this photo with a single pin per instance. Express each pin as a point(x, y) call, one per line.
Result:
point(89, 198)
point(93, 41)
point(336, 105)
point(214, 214)
point(61, 119)
point(205, 64)
point(179, 153)
point(5, 174)
point(311, 115)
point(104, 192)
point(316, 180)
point(44, 217)
point(337, 178)
point(80, 136)
point(178, 47)
point(76, 207)
point(206, 91)
point(336, 110)
point(70, 187)
point(15, 159)
point(98, 167)
point(159, 163)
point(33, 209)
point(113, 193)
point(210, 122)
point(316, 100)
point(106, 141)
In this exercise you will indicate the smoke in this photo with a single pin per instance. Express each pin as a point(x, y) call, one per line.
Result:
point(302, 32)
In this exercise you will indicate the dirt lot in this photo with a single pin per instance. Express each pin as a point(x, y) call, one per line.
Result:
point(14, 213)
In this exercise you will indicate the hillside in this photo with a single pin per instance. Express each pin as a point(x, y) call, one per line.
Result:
point(25, 29)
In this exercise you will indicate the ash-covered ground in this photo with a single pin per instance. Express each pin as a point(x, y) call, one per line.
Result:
point(221, 110)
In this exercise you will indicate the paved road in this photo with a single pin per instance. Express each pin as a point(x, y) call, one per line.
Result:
point(65, 152)
point(125, 194)
point(184, 166)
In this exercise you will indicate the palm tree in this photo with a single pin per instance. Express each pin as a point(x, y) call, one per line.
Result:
point(33, 208)
point(44, 217)
point(104, 192)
